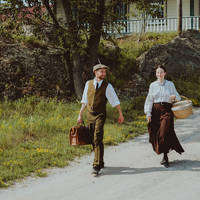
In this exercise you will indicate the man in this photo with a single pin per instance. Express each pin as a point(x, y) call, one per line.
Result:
point(95, 96)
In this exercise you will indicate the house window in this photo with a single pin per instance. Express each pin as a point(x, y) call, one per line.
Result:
point(156, 14)
point(157, 10)
point(191, 7)
point(122, 10)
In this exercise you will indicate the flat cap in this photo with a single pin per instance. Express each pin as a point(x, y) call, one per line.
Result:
point(100, 66)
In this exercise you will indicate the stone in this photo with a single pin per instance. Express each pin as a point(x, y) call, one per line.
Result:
point(33, 70)
point(181, 57)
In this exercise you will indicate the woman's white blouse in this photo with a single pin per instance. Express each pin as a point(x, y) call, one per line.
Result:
point(159, 92)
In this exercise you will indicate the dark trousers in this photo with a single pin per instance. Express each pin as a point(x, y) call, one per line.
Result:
point(96, 126)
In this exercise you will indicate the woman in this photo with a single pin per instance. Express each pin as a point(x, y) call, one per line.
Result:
point(162, 93)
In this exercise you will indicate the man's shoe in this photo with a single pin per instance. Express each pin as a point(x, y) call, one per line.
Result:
point(95, 171)
point(102, 166)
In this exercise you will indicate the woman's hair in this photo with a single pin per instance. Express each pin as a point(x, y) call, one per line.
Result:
point(162, 67)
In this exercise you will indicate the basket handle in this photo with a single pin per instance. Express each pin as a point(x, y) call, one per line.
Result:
point(184, 97)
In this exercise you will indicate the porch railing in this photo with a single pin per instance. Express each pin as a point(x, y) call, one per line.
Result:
point(154, 25)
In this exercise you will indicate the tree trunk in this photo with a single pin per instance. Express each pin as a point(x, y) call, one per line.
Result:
point(179, 3)
point(77, 68)
point(95, 35)
point(77, 71)
point(92, 54)
point(69, 68)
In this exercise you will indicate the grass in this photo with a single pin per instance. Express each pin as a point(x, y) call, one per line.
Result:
point(121, 58)
point(34, 131)
point(34, 135)
point(133, 46)
point(190, 88)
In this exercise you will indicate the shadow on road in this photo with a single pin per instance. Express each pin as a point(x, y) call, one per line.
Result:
point(177, 165)
point(193, 137)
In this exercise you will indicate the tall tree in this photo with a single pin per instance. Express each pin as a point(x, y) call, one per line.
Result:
point(86, 21)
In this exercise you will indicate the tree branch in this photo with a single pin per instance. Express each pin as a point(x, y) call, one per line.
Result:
point(50, 11)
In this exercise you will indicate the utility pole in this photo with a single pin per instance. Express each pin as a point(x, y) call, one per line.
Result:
point(180, 15)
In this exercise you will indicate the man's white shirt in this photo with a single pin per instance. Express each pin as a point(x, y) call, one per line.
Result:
point(110, 93)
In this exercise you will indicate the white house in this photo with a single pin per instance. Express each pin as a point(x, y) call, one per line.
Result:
point(190, 8)
point(167, 21)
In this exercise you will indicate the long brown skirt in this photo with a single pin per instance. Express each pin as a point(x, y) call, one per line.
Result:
point(161, 130)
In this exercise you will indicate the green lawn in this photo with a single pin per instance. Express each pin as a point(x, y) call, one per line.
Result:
point(34, 135)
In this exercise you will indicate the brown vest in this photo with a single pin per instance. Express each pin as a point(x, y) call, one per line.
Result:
point(97, 98)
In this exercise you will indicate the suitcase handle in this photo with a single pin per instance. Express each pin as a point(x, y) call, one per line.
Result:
point(79, 123)
point(74, 132)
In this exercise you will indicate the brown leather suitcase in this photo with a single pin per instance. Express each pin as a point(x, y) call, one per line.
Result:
point(79, 135)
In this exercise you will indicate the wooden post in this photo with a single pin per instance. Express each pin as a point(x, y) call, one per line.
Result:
point(165, 9)
point(143, 23)
point(199, 14)
point(179, 6)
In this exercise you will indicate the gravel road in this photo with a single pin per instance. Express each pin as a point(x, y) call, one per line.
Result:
point(132, 172)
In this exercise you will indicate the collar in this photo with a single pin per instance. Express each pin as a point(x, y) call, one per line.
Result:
point(161, 84)
point(95, 82)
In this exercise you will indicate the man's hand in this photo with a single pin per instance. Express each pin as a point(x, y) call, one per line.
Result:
point(121, 119)
point(79, 120)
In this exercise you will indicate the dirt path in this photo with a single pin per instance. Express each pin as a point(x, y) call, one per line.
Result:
point(132, 172)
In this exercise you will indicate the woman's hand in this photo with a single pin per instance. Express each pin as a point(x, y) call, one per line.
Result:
point(149, 119)
point(172, 98)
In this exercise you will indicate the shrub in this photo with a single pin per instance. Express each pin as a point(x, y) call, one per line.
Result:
point(120, 55)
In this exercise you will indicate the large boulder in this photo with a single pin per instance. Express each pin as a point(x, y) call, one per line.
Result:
point(32, 70)
point(181, 56)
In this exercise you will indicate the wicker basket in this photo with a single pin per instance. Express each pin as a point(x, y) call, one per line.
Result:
point(182, 109)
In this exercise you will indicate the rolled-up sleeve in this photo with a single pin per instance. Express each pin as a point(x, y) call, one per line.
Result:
point(84, 97)
point(174, 92)
point(148, 102)
point(112, 96)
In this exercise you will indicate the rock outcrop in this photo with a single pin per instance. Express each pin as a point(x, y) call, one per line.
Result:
point(32, 70)
point(41, 69)
point(181, 56)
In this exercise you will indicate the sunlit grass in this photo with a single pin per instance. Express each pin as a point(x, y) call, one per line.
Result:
point(34, 135)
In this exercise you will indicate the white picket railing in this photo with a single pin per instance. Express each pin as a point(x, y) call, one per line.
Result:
point(153, 25)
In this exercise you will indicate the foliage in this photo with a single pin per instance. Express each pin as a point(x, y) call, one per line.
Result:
point(190, 88)
point(120, 55)
point(79, 32)
point(148, 8)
